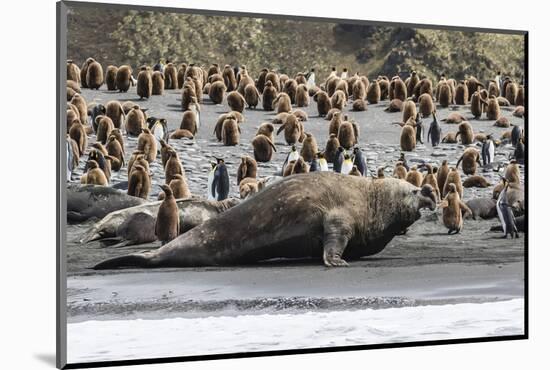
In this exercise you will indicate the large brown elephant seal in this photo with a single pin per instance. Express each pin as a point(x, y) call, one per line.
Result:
point(192, 212)
point(309, 217)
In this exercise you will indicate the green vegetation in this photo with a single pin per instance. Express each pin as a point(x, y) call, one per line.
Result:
point(136, 38)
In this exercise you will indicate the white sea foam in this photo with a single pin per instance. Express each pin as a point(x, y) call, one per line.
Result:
point(136, 339)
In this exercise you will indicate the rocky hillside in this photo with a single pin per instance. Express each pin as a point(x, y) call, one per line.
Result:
point(135, 38)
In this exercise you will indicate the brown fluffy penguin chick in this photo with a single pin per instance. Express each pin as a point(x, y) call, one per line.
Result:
point(173, 167)
point(139, 183)
point(248, 186)
point(452, 210)
point(247, 168)
point(148, 144)
point(309, 148)
point(453, 177)
point(263, 148)
point(167, 225)
point(179, 187)
point(115, 150)
point(95, 175)
point(414, 177)
point(400, 171)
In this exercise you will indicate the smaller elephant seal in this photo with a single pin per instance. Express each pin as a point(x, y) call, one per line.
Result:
point(470, 159)
point(485, 208)
point(88, 201)
point(138, 228)
point(192, 212)
point(452, 210)
point(263, 148)
point(167, 223)
point(476, 181)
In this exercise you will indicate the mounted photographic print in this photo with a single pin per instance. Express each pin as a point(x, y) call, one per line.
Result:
point(234, 184)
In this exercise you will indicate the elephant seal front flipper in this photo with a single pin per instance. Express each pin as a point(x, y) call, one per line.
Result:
point(337, 232)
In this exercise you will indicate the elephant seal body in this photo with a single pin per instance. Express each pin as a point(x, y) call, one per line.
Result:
point(484, 208)
point(89, 201)
point(192, 212)
point(309, 217)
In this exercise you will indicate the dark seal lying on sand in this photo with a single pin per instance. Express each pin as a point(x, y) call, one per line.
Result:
point(91, 201)
point(313, 215)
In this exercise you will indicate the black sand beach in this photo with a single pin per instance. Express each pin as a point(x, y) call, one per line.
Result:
point(425, 266)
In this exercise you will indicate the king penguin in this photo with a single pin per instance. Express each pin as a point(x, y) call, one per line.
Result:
point(434, 132)
point(293, 155)
point(488, 151)
point(505, 214)
point(323, 165)
point(218, 181)
point(338, 160)
point(360, 161)
point(347, 166)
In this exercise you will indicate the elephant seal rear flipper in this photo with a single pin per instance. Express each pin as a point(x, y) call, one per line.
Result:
point(131, 260)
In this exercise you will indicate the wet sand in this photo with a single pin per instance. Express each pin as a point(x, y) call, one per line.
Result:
point(425, 266)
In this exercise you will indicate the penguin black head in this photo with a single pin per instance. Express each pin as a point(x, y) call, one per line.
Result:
point(356, 150)
point(320, 155)
point(340, 149)
point(346, 156)
point(293, 148)
point(334, 68)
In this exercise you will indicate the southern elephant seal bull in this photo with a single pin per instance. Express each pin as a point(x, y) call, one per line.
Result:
point(192, 212)
point(90, 201)
point(316, 215)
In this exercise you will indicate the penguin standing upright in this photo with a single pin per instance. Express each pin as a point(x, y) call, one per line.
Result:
point(434, 132)
point(338, 160)
point(314, 165)
point(403, 160)
point(159, 129)
point(311, 79)
point(70, 160)
point(519, 152)
point(323, 165)
point(419, 129)
point(293, 155)
point(218, 181)
point(347, 165)
point(488, 151)
point(505, 214)
point(516, 135)
point(360, 161)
